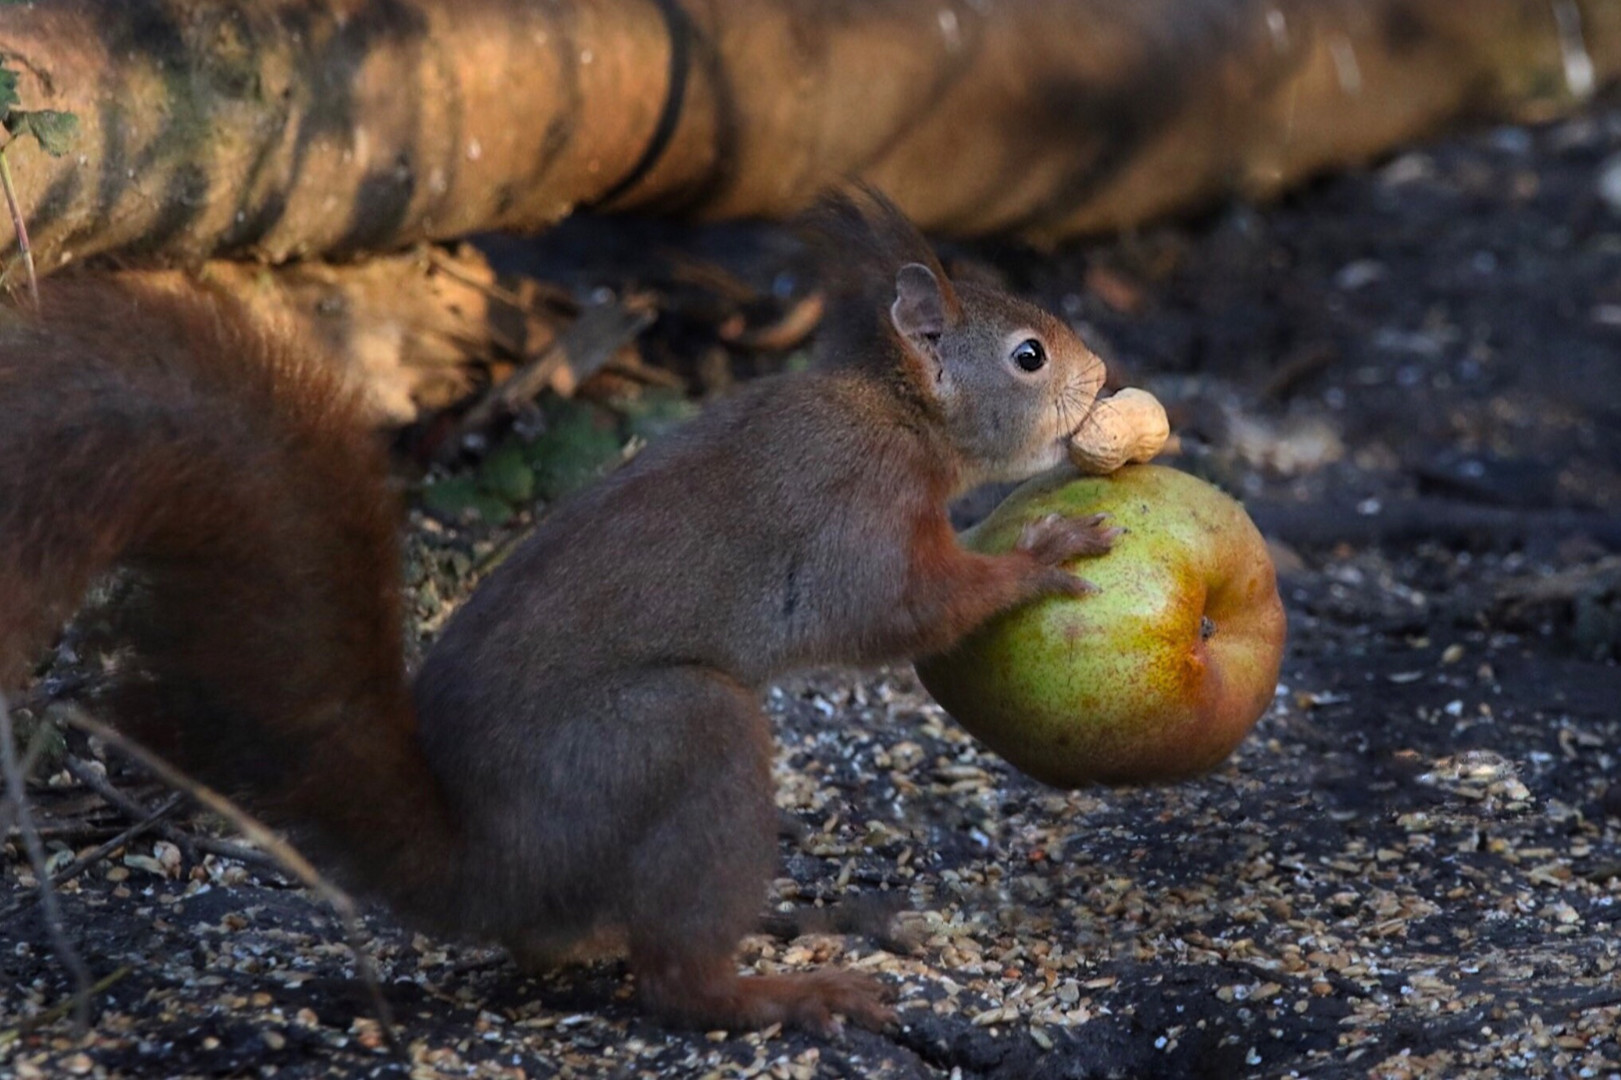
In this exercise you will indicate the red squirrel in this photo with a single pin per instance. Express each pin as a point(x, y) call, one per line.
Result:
point(583, 753)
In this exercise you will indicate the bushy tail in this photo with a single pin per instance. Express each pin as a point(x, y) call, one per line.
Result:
point(258, 623)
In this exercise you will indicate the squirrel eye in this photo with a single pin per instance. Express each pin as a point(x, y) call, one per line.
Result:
point(1030, 355)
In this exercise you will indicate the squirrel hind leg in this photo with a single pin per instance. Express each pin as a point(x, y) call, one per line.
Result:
point(699, 876)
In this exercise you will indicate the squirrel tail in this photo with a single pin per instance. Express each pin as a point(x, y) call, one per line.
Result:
point(257, 614)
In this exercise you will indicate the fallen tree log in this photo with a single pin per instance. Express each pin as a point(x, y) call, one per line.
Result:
point(274, 129)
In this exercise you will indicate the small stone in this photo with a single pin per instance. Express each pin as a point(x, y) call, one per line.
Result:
point(1359, 274)
point(1609, 183)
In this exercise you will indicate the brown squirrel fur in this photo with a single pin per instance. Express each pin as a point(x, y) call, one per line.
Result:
point(584, 752)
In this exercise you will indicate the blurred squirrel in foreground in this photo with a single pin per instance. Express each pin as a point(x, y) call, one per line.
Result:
point(583, 755)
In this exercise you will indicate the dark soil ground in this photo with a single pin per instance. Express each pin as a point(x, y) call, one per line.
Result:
point(1412, 867)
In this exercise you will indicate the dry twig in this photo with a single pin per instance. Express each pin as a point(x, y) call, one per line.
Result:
point(579, 352)
point(25, 253)
point(90, 858)
point(84, 773)
point(56, 1012)
point(260, 834)
point(189, 843)
point(16, 786)
point(36, 746)
point(788, 331)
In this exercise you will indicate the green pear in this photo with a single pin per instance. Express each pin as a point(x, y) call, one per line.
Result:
point(1155, 676)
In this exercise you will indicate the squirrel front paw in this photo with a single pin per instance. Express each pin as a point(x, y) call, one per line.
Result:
point(1056, 539)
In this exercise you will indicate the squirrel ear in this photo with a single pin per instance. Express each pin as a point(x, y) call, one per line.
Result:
point(919, 310)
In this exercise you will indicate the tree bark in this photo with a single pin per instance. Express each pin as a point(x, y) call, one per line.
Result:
point(281, 128)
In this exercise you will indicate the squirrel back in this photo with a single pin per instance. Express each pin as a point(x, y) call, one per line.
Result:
point(258, 616)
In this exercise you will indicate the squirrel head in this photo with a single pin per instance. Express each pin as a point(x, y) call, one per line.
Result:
point(1010, 382)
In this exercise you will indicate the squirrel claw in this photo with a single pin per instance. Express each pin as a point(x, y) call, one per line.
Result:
point(1056, 581)
point(1079, 586)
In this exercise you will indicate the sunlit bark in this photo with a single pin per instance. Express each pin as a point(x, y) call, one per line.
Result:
point(281, 128)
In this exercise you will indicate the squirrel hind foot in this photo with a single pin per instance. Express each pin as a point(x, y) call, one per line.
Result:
point(712, 994)
point(535, 952)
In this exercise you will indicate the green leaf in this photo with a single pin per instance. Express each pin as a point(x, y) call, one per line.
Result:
point(576, 449)
point(54, 130)
point(491, 510)
point(505, 474)
point(459, 497)
point(8, 91)
point(657, 412)
point(47, 734)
